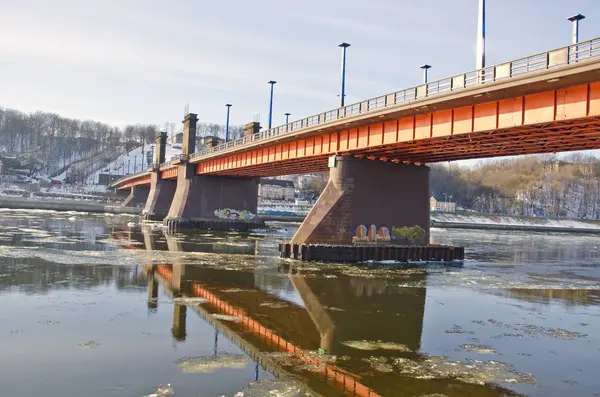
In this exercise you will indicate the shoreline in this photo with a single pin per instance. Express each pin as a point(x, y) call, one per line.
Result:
point(18, 203)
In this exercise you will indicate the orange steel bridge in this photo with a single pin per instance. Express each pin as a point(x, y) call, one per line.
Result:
point(544, 103)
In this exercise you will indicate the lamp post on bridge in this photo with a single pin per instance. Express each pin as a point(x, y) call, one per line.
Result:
point(575, 20)
point(344, 46)
point(480, 58)
point(134, 164)
point(287, 118)
point(227, 122)
point(128, 165)
point(272, 82)
point(425, 68)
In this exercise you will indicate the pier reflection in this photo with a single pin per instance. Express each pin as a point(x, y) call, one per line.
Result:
point(331, 329)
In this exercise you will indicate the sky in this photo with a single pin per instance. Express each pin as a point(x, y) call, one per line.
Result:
point(134, 61)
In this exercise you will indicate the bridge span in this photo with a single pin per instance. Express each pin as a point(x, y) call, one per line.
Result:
point(376, 150)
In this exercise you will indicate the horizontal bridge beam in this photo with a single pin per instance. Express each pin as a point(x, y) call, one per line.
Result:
point(483, 129)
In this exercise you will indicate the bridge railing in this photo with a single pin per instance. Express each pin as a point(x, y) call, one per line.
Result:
point(563, 56)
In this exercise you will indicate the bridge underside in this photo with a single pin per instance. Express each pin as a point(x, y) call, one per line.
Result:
point(550, 137)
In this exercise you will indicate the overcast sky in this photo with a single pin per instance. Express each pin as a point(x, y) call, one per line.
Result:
point(122, 61)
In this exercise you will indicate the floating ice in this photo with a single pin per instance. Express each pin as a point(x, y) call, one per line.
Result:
point(272, 388)
point(375, 345)
point(211, 363)
point(162, 390)
point(225, 317)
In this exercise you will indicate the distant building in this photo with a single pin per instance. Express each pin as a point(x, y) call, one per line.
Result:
point(305, 180)
point(107, 179)
point(441, 205)
point(276, 189)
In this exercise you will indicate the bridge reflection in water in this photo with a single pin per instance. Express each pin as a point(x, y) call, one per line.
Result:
point(317, 340)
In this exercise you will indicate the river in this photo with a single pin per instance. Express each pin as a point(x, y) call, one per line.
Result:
point(99, 305)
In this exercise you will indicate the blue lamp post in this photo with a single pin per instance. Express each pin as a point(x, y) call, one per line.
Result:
point(272, 82)
point(344, 46)
point(227, 122)
point(575, 19)
point(425, 69)
point(287, 118)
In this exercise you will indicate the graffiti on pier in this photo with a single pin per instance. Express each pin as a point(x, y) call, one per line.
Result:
point(228, 213)
point(399, 235)
point(371, 234)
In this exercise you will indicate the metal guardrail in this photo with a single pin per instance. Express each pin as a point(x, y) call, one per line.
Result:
point(556, 58)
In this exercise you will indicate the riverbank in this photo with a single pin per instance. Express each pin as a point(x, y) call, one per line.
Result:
point(445, 220)
point(453, 220)
point(19, 203)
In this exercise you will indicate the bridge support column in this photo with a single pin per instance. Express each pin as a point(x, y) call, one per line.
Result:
point(160, 198)
point(213, 202)
point(362, 193)
point(137, 197)
point(161, 190)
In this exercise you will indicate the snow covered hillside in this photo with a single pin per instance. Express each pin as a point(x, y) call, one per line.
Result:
point(130, 163)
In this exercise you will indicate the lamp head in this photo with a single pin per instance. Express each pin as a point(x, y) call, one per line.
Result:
point(577, 17)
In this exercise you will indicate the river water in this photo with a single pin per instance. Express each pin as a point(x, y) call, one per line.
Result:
point(96, 305)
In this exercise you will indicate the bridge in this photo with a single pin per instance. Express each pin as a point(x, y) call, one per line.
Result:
point(376, 150)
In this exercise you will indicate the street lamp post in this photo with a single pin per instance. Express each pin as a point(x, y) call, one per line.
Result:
point(128, 165)
point(272, 82)
point(134, 164)
point(344, 46)
point(480, 61)
point(425, 68)
point(227, 123)
point(575, 19)
point(287, 118)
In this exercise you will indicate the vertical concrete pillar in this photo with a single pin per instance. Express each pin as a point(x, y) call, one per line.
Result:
point(160, 154)
point(189, 134)
point(161, 191)
point(137, 196)
point(365, 198)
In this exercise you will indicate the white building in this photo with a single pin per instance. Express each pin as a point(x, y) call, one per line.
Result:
point(276, 189)
point(441, 205)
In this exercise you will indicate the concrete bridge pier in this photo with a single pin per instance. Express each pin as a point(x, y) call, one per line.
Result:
point(364, 199)
point(160, 197)
point(162, 191)
point(137, 196)
point(210, 202)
